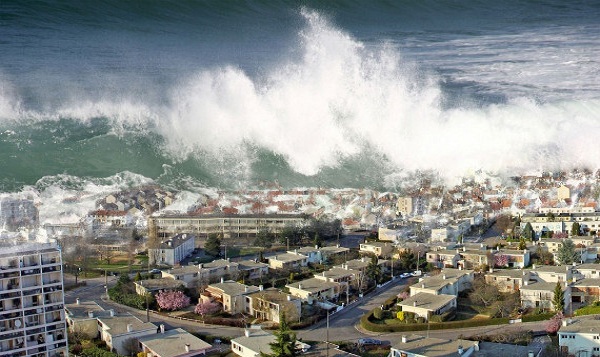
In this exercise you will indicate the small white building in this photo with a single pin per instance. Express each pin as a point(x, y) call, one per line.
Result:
point(173, 343)
point(426, 305)
point(119, 331)
point(580, 336)
point(173, 251)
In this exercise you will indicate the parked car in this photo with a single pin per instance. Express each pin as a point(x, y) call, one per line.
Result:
point(405, 275)
point(368, 341)
point(155, 271)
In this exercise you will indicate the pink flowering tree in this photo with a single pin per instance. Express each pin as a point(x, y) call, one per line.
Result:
point(207, 308)
point(553, 325)
point(560, 235)
point(172, 300)
point(403, 295)
point(500, 260)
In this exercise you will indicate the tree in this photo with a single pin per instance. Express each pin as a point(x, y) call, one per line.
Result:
point(522, 244)
point(373, 270)
point(575, 229)
point(559, 298)
point(317, 241)
point(484, 294)
point(213, 245)
point(500, 260)
point(263, 238)
point(567, 253)
point(172, 300)
point(554, 324)
point(560, 235)
point(506, 306)
point(407, 259)
point(503, 223)
point(285, 341)
point(207, 308)
point(528, 232)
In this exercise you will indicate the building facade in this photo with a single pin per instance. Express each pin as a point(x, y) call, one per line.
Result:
point(32, 316)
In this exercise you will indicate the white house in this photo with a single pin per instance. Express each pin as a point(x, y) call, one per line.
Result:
point(173, 343)
point(172, 251)
point(580, 336)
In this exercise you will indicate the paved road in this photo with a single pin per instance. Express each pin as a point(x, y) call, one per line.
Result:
point(343, 325)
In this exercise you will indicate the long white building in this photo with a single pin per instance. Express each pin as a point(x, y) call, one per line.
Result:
point(32, 317)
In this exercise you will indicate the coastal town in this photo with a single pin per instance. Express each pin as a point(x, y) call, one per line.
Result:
point(261, 264)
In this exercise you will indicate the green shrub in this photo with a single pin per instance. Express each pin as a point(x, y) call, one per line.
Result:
point(389, 303)
point(378, 313)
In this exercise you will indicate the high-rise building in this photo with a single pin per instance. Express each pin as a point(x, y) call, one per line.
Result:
point(32, 317)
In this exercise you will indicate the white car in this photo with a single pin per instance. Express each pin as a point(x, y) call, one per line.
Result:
point(405, 275)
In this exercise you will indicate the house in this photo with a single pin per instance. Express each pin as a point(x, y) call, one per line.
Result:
point(515, 258)
point(425, 305)
point(338, 275)
point(253, 269)
point(361, 264)
point(449, 281)
point(153, 286)
point(447, 258)
point(82, 317)
point(420, 346)
point(289, 261)
point(256, 341)
point(334, 252)
point(173, 343)
point(313, 254)
point(591, 271)
point(540, 294)
point(580, 336)
point(380, 249)
point(313, 289)
point(230, 294)
point(552, 273)
point(119, 332)
point(507, 280)
point(172, 251)
point(268, 304)
point(475, 258)
point(204, 273)
point(586, 290)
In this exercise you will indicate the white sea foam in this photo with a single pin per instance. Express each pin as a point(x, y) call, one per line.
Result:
point(340, 98)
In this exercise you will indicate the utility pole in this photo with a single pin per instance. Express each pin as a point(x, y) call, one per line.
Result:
point(327, 332)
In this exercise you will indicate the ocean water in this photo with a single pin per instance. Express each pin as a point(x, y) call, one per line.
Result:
point(96, 96)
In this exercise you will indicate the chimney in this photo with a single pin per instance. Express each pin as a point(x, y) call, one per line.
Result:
point(530, 354)
point(296, 251)
point(91, 314)
point(524, 251)
point(77, 301)
point(129, 327)
point(491, 270)
point(526, 282)
point(162, 328)
point(260, 287)
point(246, 289)
point(289, 298)
point(457, 250)
point(476, 345)
point(464, 249)
point(112, 312)
point(187, 347)
point(247, 332)
point(300, 286)
point(200, 266)
point(404, 340)
point(337, 245)
point(533, 266)
point(362, 259)
point(423, 286)
point(415, 303)
point(565, 322)
point(460, 350)
point(222, 280)
point(316, 246)
point(444, 276)
point(228, 260)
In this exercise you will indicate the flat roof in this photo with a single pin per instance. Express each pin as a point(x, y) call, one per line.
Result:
point(288, 257)
point(173, 343)
point(437, 347)
point(117, 325)
point(312, 285)
point(427, 301)
point(161, 283)
point(233, 288)
point(258, 341)
point(513, 273)
point(81, 310)
point(581, 324)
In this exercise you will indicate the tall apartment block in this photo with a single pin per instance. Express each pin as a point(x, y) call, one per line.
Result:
point(32, 317)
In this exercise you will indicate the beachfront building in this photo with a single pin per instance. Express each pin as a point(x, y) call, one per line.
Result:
point(32, 317)
point(227, 226)
point(172, 251)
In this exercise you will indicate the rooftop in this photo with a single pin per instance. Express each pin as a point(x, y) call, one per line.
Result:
point(312, 285)
point(428, 301)
point(161, 283)
point(288, 257)
point(173, 343)
point(582, 325)
point(81, 310)
point(232, 288)
point(117, 325)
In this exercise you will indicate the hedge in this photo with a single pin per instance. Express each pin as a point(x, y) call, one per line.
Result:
point(366, 322)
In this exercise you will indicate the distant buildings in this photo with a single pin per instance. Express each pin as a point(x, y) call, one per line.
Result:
point(18, 213)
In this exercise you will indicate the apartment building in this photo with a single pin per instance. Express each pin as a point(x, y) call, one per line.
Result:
point(172, 251)
point(580, 337)
point(228, 226)
point(32, 317)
